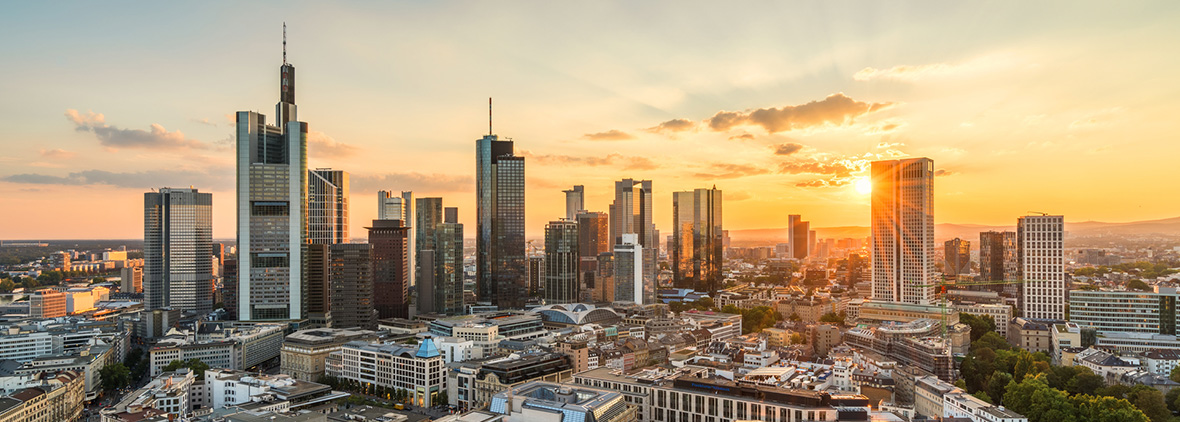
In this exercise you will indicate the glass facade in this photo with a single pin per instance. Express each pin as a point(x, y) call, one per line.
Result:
point(178, 250)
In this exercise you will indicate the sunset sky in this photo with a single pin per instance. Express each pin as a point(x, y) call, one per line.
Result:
point(1060, 107)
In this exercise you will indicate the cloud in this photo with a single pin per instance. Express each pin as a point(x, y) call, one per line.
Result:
point(205, 121)
point(215, 179)
point(674, 125)
point(736, 196)
point(57, 154)
point(322, 145)
point(623, 162)
point(114, 137)
point(1096, 119)
point(417, 182)
point(744, 136)
point(732, 171)
point(823, 183)
point(944, 172)
point(904, 72)
point(884, 127)
point(610, 135)
point(886, 144)
point(787, 148)
point(835, 110)
point(839, 168)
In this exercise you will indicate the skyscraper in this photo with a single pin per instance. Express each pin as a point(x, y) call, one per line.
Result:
point(353, 289)
point(561, 262)
point(956, 257)
point(696, 242)
point(391, 207)
point(317, 269)
point(272, 209)
point(631, 213)
point(903, 230)
point(447, 259)
point(429, 214)
point(574, 202)
point(327, 206)
point(1042, 261)
point(500, 246)
point(998, 256)
point(628, 270)
point(593, 240)
point(798, 233)
point(390, 240)
point(178, 250)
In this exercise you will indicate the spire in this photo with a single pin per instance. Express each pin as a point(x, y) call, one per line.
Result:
point(489, 116)
point(284, 43)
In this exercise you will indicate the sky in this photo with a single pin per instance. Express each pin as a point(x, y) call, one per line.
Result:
point(1060, 107)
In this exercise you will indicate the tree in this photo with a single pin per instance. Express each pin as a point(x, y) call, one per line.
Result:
point(1173, 399)
point(440, 398)
point(114, 376)
point(1085, 382)
point(98, 280)
point(1138, 285)
point(1151, 402)
point(992, 341)
point(798, 339)
point(980, 325)
point(997, 384)
point(982, 395)
point(1104, 409)
point(706, 303)
point(1175, 376)
point(832, 317)
point(194, 365)
point(7, 285)
point(1039, 402)
point(1089, 337)
point(794, 317)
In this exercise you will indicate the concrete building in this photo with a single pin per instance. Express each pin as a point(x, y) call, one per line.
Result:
point(631, 213)
point(1042, 257)
point(390, 207)
point(178, 250)
point(1002, 314)
point(630, 285)
point(131, 280)
point(1030, 335)
point(956, 257)
point(593, 240)
point(165, 396)
point(999, 258)
point(225, 388)
point(304, 352)
point(575, 202)
point(1151, 312)
point(86, 362)
point(353, 292)
point(797, 233)
point(561, 262)
point(47, 303)
point(419, 369)
point(475, 382)
point(391, 268)
point(56, 398)
point(429, 216)
point(549, 401)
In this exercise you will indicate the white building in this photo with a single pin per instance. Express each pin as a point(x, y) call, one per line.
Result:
point(225, 387)
point(629, 270)
point(1042, 259)
point(1002, 314)
point(416, 369)
point(1161, 362)
point(216, 354)
point(455, 349)
point(903, 230)
point(168, 393)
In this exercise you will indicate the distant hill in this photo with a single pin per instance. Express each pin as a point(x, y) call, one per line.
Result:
point(946, 231)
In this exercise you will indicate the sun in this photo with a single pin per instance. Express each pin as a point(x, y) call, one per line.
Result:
point(863, 185)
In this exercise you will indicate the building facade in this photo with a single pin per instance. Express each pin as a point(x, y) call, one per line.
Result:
point(391, 268)
point(1042, 259)
point(561, 262)
point(178, 249)
point(956, 257)
point(903, 230)
point(351, 272)
point(628, 270)
point(500, 204)
point(696, 239)
point(327, 206)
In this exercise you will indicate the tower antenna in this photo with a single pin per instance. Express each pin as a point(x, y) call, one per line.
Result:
point(284, 43)
point(489, 116)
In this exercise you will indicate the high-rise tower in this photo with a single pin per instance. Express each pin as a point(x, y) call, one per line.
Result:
point(390, 207)
point(903, 230)
point(327, 206)
point(272, 209)
point(178, 250)
point(500, 246)
point(696, 239)
point(561, 262)
point(1041, 240)
point(575, 201)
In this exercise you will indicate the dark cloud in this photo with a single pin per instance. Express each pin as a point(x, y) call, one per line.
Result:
point(944, 172)
point(623, 162)
point(610, 135)
point(837, 109)
point(417, 182)
point(57, 153)
point(787, 148)
point(674, 125)
point(732, 171)
point(322, 145)
point(744, 136)
point(213, 179)
point(114, 137)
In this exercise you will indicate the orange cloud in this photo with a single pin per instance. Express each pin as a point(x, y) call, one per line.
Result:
point(835, 110)
point(320, 144)
point(114, 137)
point(610, 135)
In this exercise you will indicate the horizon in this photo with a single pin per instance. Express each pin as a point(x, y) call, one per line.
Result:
point(112, 101)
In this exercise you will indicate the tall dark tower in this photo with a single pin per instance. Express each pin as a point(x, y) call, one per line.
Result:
point(285, 109)
point(500, 245)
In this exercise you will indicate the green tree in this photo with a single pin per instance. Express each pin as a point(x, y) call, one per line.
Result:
point(440, 398)
point(196, 365)
point(794, 317)
point(7, 285)
point(980, 325)
point(1085, 382)
point(1175, 376)
point(1173, 399)
point(1138, 285)
point(992, 341)
point(1151, 402)
point(832, 317)
point(98, 280)
point(798, 339)
point(1103, 409)
point(982, 395)
point(114, 376)
point(997, 384)
point(1039, 402)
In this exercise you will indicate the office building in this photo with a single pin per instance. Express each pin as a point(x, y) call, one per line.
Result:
point(797, 234)
point(998, 256)
point(628, 271)
point(575, 202)
point(476, 381)
point(351, 268)
point(956, 257)
point(57, 397)
point(327, 206)
point(417, 369)
point(500, 245)
point(428, 216)
point(304, 352)
point(391, 268)
point(47, 303)
point(543, 400)
point(696, 239)
point(593, 240)
point(447, 261)
point(131, 280)
point(178, 249)
point(390, 207)
point(631, 213)
point(561, 262)
point(1109, 311)
point(165, 397)
point(224, 388)
point(903, 230)
point(272, 209)
point(536, 276)
point(317, 269)
point(1042, 261)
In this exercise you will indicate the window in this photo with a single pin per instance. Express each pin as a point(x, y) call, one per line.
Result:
point(269, 209)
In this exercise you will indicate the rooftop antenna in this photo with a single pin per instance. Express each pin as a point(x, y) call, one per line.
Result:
point(284, 43)
point(489, 116)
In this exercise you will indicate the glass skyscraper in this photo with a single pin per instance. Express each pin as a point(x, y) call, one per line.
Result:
point(561, 262)
point(500, 246)
point(178, 250)
point(697, 240)
point(903, 230)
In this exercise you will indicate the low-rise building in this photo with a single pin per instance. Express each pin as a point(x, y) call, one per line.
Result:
point(1030, 335)
point(1161, 362)
point(418, 369)
point(304, 351)
point(166, 396)
point(216, 354)
point(542, 401)
point(471, 385)
point(1001, 314)
point(86, 363)
point(56, 398)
